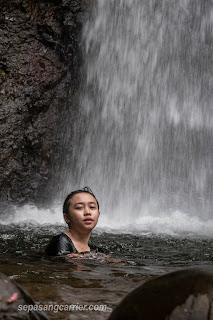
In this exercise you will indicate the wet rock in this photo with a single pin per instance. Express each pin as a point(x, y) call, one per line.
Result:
point(14, 300)
point(185, 294)
point(40, 58)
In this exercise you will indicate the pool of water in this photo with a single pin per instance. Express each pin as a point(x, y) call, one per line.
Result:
point(94, 279)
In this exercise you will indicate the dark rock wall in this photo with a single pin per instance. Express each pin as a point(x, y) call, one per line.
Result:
point(40, 57)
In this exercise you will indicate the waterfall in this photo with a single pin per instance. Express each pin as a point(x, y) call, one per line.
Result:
point(141, 132)
point(144, 131)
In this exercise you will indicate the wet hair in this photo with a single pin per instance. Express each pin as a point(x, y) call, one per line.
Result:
point(71, 195)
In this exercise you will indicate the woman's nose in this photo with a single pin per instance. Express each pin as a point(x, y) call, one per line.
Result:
point(87, 211)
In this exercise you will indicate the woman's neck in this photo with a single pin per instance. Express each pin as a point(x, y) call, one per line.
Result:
point(84, 238)
point(80, 240)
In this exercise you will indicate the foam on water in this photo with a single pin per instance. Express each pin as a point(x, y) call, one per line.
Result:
point(33, 215)
point(174, 224)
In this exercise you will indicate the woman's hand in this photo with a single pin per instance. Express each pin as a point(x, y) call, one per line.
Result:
point(75, 255)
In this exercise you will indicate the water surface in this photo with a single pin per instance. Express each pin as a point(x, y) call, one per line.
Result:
point(93, 280)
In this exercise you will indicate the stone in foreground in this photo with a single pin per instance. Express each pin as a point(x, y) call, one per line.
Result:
point(182, 295)
point(12, 295)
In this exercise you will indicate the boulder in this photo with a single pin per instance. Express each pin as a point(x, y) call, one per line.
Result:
point(13, 298)
point(180, 295)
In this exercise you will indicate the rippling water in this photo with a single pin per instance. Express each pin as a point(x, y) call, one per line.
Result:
point(152, 250)
point(93, 280)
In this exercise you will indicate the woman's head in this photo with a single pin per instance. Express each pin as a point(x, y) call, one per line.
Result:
point(81, 209)
point(71, 195)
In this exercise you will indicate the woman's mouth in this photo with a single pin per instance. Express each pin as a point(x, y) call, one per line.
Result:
point(88, 220)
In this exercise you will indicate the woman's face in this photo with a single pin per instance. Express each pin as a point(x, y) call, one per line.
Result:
point(83, 212)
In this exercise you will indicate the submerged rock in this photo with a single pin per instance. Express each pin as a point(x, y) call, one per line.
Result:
point(14, 301)
point(39, 69)
point(184, 294)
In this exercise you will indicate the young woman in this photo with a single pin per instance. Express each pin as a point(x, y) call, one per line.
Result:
point(81, 213)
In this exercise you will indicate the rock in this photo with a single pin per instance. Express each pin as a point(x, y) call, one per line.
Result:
point(40, 58)
point(13, 298)
point(180, 295)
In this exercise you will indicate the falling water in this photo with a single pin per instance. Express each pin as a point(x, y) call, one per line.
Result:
point(144, 132)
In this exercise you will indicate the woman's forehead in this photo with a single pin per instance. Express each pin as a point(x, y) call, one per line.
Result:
point(82, 197)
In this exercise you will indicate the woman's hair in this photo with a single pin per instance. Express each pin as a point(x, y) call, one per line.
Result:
point(70, 195)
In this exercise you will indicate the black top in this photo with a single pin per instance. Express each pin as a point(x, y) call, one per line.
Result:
point(62, 245)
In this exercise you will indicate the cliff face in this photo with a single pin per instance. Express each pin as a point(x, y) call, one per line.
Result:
point(39, 65)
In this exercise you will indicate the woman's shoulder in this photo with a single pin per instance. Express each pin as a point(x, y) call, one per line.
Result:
point(60, 245)
point(60, 238)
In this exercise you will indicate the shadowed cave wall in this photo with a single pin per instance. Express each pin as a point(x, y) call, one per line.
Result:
point(40, 57)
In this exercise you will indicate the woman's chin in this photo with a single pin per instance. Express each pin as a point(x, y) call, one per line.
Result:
point(89, 225)
point(86, 228)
